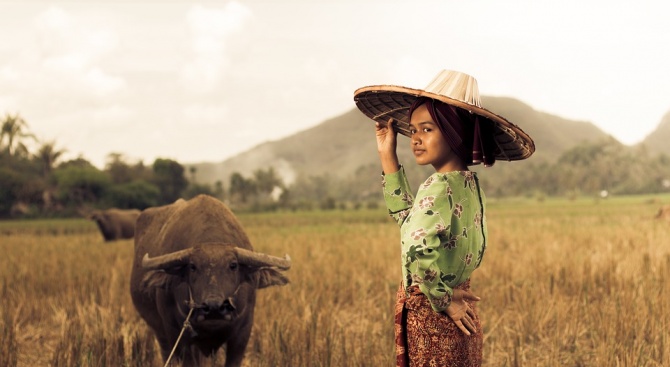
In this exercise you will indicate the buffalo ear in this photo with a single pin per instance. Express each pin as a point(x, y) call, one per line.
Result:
point(267, 277)
point(161, 278)
point(155, 279)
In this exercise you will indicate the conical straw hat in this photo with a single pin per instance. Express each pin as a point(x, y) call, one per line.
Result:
point(381, 102)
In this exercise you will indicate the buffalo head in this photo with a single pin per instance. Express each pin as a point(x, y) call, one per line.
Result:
point(215, 278)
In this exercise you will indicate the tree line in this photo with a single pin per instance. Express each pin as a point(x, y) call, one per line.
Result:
point(40, 184)
point(597, 169)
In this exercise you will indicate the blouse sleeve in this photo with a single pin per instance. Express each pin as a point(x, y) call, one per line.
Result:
point(427, 236)
point(397, 195)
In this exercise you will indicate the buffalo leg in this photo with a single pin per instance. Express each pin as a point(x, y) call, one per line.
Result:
point(236, 346)
point(165, 348)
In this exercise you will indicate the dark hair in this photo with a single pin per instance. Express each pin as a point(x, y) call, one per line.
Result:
point(468, 135)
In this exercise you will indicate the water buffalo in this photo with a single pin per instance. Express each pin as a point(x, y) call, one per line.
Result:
point(663, 212)
point(115, 224)
point(195, 255)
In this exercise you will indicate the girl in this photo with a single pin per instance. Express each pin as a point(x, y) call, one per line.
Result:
point(443, 229)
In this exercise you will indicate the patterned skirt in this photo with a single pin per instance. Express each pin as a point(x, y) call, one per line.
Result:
point(427, 338)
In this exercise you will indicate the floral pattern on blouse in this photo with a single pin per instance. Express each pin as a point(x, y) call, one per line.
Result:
point(442, 230)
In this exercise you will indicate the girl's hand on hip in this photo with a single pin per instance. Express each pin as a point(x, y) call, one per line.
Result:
point(461, 312)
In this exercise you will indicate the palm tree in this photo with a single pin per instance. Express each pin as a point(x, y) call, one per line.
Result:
point(48, 155)
point(13, 129)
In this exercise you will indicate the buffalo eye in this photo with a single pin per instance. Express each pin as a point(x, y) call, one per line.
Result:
point(192, 267)
point(233, 266)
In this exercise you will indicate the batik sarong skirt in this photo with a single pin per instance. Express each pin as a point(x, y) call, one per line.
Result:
point(425, 338)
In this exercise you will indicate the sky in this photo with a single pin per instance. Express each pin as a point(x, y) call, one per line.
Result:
point(200, 81)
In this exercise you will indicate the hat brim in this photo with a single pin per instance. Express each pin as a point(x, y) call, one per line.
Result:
point(382, 102)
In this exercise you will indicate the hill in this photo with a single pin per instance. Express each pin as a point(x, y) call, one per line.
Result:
point(341, 145)
point(552, 134)
point(657, 141)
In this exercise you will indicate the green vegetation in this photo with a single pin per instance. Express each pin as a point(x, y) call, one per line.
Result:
point(564, 282)
point(37, 184)
point(332, 166)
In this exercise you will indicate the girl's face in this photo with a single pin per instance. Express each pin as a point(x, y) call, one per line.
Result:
point(429, 145)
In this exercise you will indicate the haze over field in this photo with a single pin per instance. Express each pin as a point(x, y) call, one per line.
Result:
point(204, 81)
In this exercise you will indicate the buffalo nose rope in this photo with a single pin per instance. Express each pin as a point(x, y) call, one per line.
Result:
point(187, 324)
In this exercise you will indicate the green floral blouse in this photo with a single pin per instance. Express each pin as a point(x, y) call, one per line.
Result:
point(442, 231)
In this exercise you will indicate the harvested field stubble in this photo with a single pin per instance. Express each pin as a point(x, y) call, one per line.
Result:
point(578, 283)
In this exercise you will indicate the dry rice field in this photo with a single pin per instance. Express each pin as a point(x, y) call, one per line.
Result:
point(563, 283)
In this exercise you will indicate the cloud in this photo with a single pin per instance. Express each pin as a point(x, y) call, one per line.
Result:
point(210, 29)
point(68, 43)
point(102, 83)
point(320, 72)
point(117, 116)
point(9, 74)
point(56, 76)
point(67, 53)
point(205, 115)
point(412, 71)
point(8, 101)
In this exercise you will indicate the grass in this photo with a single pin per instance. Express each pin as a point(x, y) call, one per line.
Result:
point(578, 283)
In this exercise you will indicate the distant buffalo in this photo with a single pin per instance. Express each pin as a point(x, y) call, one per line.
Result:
point(663, 212)
point(115, 224)
point(194, 256)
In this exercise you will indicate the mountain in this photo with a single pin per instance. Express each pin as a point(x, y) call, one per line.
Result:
point(341, 145)
point(657, 141)
point(552, 134)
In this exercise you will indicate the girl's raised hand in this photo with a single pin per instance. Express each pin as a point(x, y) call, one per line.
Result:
point(386, 146)
point(386, 137)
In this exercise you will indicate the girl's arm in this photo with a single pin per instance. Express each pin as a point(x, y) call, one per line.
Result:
point(397, 195)
point(386, 146)
point(396, 188)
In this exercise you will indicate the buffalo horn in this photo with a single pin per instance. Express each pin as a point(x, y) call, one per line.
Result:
point(258, 259)
point(167, 260)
